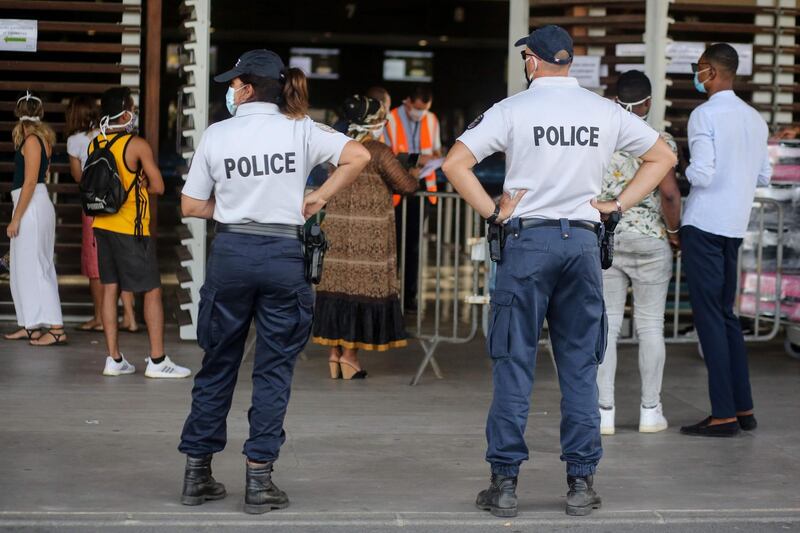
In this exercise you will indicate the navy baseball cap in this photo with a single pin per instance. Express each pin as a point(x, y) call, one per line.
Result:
point(547, 42)
point(263, 63)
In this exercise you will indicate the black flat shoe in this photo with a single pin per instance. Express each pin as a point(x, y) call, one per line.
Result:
point(747, 422)
point(703, 429)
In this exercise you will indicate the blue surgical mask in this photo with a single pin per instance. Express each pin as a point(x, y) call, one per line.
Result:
point(230, 98)
point(700, 86)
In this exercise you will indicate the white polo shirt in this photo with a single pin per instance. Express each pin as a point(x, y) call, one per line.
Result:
point(256, 164)
point(558, 139)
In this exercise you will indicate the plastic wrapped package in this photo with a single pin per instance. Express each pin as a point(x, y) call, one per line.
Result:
point(789, 310)
point(785, 158)
point(790, 285)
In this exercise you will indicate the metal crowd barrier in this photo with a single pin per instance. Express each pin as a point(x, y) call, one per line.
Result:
point(455, 277)
point(764, 307)
point(446, 273)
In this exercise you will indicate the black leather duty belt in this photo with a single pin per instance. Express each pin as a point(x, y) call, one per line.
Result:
point(527, 223)
point(265, 230)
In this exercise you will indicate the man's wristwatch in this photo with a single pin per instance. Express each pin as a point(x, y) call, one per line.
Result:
point(492, 219)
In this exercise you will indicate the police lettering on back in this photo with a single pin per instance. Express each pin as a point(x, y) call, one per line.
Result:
point(566, 136)
point(261, 165)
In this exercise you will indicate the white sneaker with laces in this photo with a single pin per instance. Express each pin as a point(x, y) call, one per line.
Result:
point(166, 369)
point(652, 420)
point(114, 368)
point(607, 421)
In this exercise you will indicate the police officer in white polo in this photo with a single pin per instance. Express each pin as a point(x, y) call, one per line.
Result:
point(558, 139)
point(249, 174)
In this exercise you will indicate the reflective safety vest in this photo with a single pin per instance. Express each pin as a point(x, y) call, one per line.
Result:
point(399, 138)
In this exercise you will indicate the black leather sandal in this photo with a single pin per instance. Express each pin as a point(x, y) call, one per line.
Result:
point(56, 336)
point(28, 332)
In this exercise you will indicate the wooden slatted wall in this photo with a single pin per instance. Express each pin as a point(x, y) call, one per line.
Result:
point(84, 47)
point(771, 88)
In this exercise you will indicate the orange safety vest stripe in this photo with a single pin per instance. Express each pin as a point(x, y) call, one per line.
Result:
point(400, 145)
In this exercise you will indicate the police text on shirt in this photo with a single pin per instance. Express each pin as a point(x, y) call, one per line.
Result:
point(576, 135)
point(247, 166)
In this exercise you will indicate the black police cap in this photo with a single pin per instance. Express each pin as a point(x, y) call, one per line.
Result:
point(547, 42)
point(262, 63)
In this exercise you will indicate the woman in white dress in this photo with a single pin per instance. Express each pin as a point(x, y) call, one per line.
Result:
point(34, 285)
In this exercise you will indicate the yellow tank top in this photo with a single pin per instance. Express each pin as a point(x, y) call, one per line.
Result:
point(124, 220)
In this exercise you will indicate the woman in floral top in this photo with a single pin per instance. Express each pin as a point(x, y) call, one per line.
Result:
point(643, 259)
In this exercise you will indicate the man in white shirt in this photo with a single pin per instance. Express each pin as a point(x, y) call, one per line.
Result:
point(728, 144)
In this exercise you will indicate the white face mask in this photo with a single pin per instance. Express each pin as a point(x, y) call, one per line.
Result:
point(130, 126)
point(29, 96)
point(416, 114)
point(529, 77)
point(374, 130)
point(630, 105)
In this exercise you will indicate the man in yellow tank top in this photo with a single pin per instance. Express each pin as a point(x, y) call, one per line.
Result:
point(126, 256)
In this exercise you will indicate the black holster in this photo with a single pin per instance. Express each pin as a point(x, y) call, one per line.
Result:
point(496, 238)
point(314, 247)
point(606, 237)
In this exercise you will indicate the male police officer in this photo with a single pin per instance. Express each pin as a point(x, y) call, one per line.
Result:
point(557, 138)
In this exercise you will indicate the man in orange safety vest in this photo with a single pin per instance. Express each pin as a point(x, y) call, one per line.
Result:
point(413, 129)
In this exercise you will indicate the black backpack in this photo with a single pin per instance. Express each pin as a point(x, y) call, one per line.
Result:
point(101, 188)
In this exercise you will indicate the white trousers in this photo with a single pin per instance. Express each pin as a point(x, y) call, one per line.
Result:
point(646, 263)
point(34, 285)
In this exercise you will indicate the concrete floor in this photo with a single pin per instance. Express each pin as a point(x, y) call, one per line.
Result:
point(81, 452)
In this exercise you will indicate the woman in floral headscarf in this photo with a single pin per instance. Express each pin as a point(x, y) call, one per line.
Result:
point(358, 306)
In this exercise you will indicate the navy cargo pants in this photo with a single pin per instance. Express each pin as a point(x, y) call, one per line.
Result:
point(248, 277)
point(551, 273)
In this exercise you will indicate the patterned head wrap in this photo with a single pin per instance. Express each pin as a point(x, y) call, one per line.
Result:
point(365, 115)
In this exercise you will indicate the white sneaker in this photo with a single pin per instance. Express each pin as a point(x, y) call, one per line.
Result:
point(166, 369)
point(114, 368)
point(652, 420)
point(607, 421)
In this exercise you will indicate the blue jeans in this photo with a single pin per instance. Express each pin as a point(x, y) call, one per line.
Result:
point(248, 277)
point(543, 275)
point(710, 263)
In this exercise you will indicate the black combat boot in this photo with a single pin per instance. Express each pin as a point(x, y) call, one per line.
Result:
point(261, 493)
point(581, 498)
point(500, 498)
point(198, 483)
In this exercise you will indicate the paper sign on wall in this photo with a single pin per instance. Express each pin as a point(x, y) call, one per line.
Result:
point(586, 69)
point(682, 54)
point(18, 35)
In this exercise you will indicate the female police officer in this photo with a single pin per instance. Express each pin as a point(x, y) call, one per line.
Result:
point(249, 174)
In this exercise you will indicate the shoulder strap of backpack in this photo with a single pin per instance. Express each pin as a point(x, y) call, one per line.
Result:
point(110, 143)
point(138, 175)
